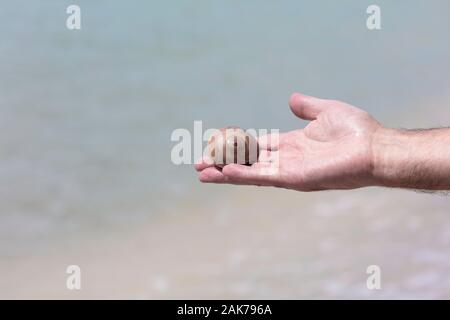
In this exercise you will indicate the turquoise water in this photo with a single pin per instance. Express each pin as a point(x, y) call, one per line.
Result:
point(86, 116)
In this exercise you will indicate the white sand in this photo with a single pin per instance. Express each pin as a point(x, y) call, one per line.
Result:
point(279, 244)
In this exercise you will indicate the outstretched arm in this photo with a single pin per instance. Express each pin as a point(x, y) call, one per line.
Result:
point(342, 147)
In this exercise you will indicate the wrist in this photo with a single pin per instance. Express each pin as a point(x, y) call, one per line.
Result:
point(387, 154)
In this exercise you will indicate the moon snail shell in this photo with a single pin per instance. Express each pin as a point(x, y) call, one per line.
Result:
point(233, 145)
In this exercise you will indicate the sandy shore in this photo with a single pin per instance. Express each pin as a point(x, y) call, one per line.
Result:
point(278, 244)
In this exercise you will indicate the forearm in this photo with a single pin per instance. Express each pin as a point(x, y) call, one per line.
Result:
point(418, 159)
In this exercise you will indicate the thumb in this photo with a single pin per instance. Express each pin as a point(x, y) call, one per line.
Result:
point(306, 107)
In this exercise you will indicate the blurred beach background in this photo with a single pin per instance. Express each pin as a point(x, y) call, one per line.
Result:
point(85, 171)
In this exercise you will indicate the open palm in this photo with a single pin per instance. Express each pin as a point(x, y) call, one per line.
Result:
point(334, 151)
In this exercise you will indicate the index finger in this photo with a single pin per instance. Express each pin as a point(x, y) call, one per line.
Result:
point(260, 174)
point(203, 163)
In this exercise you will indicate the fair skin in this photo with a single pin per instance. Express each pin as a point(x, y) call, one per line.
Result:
point(342, 147)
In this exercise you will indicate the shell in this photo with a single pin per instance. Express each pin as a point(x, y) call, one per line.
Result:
point(233, 145)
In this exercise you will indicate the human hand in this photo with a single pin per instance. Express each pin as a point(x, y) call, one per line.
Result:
point(334, 151)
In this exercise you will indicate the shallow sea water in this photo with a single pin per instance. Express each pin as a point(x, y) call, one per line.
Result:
point(86, 119)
